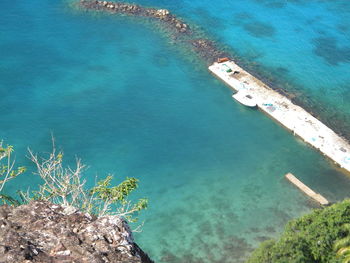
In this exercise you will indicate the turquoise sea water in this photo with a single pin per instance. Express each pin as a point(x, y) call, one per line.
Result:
point(115, 93)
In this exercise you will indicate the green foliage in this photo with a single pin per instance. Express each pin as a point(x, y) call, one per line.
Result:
point(105, 193)
point(263, 253)
point(309, 239)
point(64, 186)
point(342, 246)
point(7, 173)
point(6, 199)
point(117, 193)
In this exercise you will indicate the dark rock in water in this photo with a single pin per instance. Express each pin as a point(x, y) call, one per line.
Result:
point(136, 10)
point(208, 50)
point(181, 31)
point(44, 232)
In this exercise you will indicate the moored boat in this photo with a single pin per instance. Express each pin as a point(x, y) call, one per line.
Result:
point(245, 99)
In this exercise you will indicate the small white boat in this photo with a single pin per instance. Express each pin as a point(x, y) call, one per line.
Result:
point(244, 98)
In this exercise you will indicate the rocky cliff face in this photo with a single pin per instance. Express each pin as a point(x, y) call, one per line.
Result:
point(44, 232)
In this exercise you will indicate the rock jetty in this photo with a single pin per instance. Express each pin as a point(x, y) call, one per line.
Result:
point(44, 232)
point(180, 31)
point(208, 50)
point(136, 10)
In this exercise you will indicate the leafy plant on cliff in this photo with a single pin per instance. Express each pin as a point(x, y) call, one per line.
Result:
point(309, 239)
point(65, 186)
point(7, 172)
point(107, 195)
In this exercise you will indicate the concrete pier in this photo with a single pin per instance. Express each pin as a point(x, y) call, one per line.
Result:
point(293, 117)
point(317, 197)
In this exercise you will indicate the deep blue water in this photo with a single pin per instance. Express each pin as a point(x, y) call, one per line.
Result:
point(117, 94)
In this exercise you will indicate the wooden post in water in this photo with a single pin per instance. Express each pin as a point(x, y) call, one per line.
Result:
point(317, 197)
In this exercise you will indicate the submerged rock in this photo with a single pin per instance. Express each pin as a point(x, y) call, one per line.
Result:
point(45, 232)
point(208, 49)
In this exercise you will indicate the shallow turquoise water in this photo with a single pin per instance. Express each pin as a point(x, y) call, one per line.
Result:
point(115, 93)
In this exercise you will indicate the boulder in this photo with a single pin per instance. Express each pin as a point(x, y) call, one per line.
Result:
point(45, 232)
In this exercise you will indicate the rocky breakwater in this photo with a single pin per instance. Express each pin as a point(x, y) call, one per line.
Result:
point(45, 232)
point(136, 10)
point(208, 50)
point(181, 32)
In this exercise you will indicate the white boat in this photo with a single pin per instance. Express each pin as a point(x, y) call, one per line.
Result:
point(244, 98)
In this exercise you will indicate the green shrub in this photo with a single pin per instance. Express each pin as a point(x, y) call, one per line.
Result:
point(7, 173)
point(309, 239)
point(65, 186)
